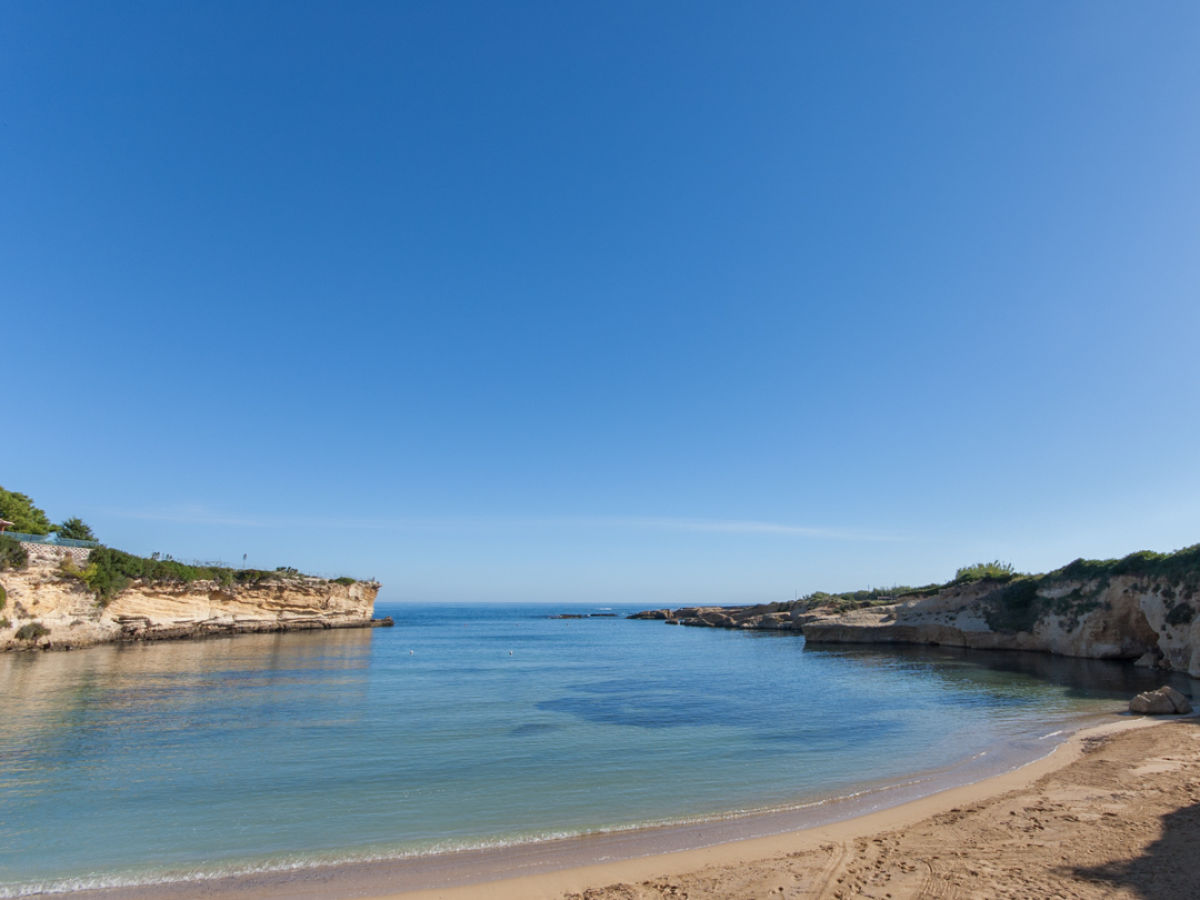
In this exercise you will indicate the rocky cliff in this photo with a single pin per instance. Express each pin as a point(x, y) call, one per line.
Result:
point(47, 609)
point(1117, 618)
point(1143, 608)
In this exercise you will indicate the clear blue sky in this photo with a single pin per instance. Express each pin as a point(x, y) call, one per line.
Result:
point(651, 302)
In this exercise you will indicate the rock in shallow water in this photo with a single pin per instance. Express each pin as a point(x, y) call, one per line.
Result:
point(1165, 701)
point(652, 614)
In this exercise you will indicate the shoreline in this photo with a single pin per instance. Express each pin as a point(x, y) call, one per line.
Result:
point(189, 633)
point(551, 869)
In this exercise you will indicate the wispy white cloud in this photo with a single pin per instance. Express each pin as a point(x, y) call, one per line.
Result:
point(198, 515)
point(749, 526)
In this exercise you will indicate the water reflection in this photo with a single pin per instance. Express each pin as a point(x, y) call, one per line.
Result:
point(71, 705)
point(960, 668)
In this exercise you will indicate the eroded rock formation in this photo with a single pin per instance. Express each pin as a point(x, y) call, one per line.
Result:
point(71, 616)
point(1119, 617)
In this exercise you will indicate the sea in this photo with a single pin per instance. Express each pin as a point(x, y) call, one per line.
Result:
point(473, 726)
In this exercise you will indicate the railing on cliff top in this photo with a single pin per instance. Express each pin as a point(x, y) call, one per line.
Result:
point(52, 539)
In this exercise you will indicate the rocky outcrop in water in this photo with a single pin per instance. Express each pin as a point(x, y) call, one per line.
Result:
point(767, 617)
point(1166, 701)
point(46, 609)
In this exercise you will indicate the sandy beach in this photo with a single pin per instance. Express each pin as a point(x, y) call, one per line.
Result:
point(1111, 812)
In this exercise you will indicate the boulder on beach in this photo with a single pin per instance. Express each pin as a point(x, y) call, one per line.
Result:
point(1165, 701)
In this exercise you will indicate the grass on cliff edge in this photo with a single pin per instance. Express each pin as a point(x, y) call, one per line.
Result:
point(109, 571)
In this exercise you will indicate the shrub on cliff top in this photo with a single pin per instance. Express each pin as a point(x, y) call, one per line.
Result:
point(109, 571)
point(1001, 571)
point(1014, 607)
point(252, 576)
point(1181, 614)
point(1181, 567)
point(12, 554)
point(31, 632)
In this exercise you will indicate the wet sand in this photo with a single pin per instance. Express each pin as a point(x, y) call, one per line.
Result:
point(1101, 816)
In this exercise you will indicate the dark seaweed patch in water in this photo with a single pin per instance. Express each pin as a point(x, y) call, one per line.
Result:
point(533, 728)
point(832, 738)
point(651, 711)
point(666, 711)
point(646, 712)
point(640, 704)
point(620, 686)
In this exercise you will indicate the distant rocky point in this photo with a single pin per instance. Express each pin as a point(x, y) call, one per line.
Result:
point(1142, 608)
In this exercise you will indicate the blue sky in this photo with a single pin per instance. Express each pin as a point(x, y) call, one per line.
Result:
point(661, 303)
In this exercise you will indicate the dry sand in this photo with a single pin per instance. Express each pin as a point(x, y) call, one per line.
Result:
point(1115, 812)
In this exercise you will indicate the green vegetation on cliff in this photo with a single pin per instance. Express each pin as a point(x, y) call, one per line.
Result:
point(31, 632)
point(1019, 605)
point(76, 529)
point(20, 510)
point(12, 554)
point(1016, 601)
point(1182, 566)
point(996, 569)
point(107, 572)
point(28, 518)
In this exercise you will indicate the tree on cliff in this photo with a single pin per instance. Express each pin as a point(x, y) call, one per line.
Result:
point(76, 529)
point(26, 517)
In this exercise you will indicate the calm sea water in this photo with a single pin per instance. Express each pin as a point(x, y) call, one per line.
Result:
point(472, 726)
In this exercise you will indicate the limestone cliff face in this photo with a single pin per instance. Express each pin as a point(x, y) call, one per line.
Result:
point(1119, 617)
point(64, 606)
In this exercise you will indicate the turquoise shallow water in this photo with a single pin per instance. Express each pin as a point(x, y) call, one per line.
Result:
point(470, 726)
